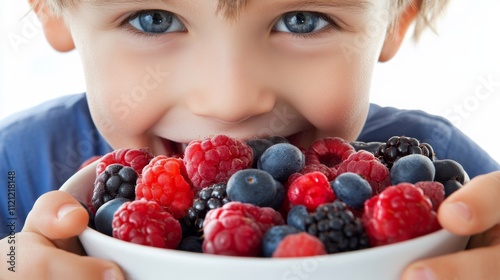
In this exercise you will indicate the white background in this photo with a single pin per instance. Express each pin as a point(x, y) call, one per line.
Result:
point(443, 75)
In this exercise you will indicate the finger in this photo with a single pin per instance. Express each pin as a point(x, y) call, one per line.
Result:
point(48, 262)
point(472, 264)
point(473, 208)
point(58, 216)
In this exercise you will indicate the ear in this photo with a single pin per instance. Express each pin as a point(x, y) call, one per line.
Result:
point(395, 37)
point(54, 27)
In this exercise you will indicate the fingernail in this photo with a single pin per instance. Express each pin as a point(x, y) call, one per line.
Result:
point(64, 210)
point(461, 210)
point(110, 274)
point(422, 273)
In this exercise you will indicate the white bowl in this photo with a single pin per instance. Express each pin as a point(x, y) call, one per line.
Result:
point(143, 262)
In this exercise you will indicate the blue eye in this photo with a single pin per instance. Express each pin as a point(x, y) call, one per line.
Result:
point(156, 21)
point(301, 22)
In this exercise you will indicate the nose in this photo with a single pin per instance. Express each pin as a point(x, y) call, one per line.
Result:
point(229, 86)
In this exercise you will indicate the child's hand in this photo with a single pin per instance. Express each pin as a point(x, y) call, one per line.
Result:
point(474, 209)
point(53, 224)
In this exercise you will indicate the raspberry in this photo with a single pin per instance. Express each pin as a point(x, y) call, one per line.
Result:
point(311, 190)
point(164, 181)
point(135, 158)
point(399, 213)
point(214, 160)
point(330, 151)
point(337, 228)
point(115, 181)
point(231, 232)
point(236, 229)
point(434, 191)
point(299, 245)
point(367, 166)
point(330, 173)
point(400, 146)
point(145, 222)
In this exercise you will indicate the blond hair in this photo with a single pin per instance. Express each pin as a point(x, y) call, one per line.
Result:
point(429, 10)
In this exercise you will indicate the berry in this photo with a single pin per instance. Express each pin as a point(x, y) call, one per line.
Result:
point(371, 147)
point(399, 213)
point(147, 223)
point(265, 217)
point(252, 186)
point(299, 245)
point(277, 139)
point(434, 191)
point(115, 181)
point(191, 244)
point(352, 189)
point(367, 166)
point(91, 223)
point(279, 197)
point(273, 237)
point(135, 158)
point(399, 146)
point(330, 173)
point(450, 187)
point(205, 200)
point(412, 169)
point(236, 229)
point(164, 181)
point(215, 159)
point(297, 216)
point(448, 169)
point(330, 151)
point(258, 146)
point(281, 160)
point(104, 216)
point(337, 228)
point(311, 190)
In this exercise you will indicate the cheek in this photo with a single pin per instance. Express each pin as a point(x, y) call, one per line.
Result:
point(126, 94)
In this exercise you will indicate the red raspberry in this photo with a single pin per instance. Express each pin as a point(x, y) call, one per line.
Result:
point(135, 158)
point(330, 151)
point(399, 213)
point(330, 173)
point(214, 160)
point(311, 190)
point(145, 222)
point(299, 245)
point(236, 229)
point(164, 181)
point(369, 167)
point(434, 190)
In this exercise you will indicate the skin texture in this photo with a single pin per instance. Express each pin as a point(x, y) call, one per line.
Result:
point(244, 77)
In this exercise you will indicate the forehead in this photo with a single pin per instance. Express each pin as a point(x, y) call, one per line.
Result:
point(231, 8)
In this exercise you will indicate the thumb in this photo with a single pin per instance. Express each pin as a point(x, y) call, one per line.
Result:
point(57, 215)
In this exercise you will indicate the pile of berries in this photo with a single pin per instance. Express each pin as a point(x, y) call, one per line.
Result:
point(269, 198)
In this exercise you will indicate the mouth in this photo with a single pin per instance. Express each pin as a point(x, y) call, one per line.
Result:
point(176, 149)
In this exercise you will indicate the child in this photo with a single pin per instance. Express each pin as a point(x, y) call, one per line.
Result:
point(162, 73)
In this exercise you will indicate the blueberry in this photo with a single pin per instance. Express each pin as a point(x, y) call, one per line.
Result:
point(371, 147)
point(297, 217)
point(279, 197)
point(451, 186)
point(277, 139)
point(282, 160)
point(191, 244)
point(352, 189)
point(104, 215)
point(273, 237)
point(252, 186)
point(448, 169)
point(412, 169)
point(258, 147)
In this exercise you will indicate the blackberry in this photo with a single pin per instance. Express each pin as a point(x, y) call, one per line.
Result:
point(400, 146)
point(115, 181)
point(337, 228)
point(205, 200)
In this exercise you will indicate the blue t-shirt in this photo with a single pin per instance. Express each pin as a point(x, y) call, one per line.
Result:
point(45, 145)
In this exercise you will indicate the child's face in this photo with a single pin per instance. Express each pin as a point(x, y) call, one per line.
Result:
point(203, 74)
